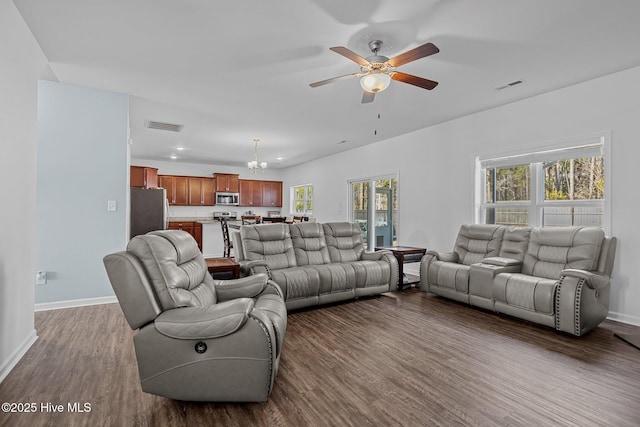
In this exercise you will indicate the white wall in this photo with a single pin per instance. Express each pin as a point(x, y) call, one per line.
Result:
point(436, 168)
point(21, 62)
point(81, 164)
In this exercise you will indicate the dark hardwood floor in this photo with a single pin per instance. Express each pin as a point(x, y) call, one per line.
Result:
point(405, 358)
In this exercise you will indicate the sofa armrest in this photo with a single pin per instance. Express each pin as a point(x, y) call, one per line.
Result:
point(249, 268)
point(592, 280)
point(246, 287)
point(482, 275)
point(199, 323)
point(582, 301)
point(389, 258)
point(374, 256)
point(502, 262)
point(444, 256)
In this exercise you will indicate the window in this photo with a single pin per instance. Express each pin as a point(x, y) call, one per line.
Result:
point(560, 186)
point(302, 199)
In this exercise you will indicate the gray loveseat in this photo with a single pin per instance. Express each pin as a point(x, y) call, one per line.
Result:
point(315, 263)
point(555, 276)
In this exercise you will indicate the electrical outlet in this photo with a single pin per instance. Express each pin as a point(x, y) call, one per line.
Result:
point(111, 205)
point(41, 277)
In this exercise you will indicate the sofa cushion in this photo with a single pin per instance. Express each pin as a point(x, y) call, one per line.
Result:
point(344, 241)
point(449, 275)
point(554, 249)
point(371, 273)
point(297, 282)
point(269, 242)
point(309, 244)
point(176, 268)
point(335, 277)
point(515, 242)
point(478, 241)
point(526, 292)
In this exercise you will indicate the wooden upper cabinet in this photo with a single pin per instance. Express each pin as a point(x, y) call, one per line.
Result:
point(272, 193)
point(250, 192)
point(143, 177)
point(195, 191)
point(177, 188)
point(201, 191)
point(182, 190)
point(227, 182)
point(208, 192)
point(166, 182)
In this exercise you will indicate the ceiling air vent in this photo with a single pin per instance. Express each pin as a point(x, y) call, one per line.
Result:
point(163, 126)
point(517, 82)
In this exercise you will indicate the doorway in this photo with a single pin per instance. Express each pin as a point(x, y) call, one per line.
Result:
point(378, 220)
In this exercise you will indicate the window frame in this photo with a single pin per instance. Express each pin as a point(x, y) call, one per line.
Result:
point(587, 146)
point(305, 200)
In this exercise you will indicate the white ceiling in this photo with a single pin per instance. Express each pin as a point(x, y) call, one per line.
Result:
point(236, 70)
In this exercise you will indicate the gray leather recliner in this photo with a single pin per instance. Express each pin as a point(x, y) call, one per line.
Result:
point(198, 339)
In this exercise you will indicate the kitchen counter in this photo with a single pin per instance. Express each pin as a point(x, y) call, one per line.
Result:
point(202, 219)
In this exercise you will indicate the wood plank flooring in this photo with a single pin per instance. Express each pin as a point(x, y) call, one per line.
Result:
point(400, 359)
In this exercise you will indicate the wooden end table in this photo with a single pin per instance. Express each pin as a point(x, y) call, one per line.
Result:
point(404, 255)
point(223, 267)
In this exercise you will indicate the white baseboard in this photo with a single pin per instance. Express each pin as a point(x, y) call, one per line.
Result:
point(624, 318)
point(56, 305)
point(15, 357)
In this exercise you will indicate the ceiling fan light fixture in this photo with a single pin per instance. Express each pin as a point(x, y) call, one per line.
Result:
point(375, 81)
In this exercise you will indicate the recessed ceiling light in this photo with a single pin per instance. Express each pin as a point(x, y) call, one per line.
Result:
point(179, 148)
point(279, 158)
point(173, 156)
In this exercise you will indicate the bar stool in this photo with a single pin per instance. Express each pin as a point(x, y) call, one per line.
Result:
point(228, 244)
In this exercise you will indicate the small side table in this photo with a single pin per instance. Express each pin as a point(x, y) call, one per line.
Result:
point(404, 255)
point(223, 268)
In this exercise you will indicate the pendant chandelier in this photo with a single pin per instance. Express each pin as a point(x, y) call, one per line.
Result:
point(254, 165)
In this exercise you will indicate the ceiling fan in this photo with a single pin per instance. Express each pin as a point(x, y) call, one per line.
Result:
point(376, 71)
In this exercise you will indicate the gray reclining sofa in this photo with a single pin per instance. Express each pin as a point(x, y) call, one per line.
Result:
point(315, 263)
point(555, 276)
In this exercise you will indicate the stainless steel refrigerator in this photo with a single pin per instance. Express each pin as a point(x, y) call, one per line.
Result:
point(149, 210)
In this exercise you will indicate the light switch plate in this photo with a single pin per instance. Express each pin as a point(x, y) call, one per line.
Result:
point(41, 277)
point(112, 205)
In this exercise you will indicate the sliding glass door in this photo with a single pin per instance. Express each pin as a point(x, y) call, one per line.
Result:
point(378, 220)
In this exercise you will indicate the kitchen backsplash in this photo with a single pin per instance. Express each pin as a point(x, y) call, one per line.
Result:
point(207, 211)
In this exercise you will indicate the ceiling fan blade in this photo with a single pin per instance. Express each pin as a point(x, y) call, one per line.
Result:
point(414, 80)
point(347, 53)
point(333, 79)
point(413, 54)
point(368, 97)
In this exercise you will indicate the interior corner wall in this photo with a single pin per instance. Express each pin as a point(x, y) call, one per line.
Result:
point(82, 161)
point(22, 61)
point(436, 168)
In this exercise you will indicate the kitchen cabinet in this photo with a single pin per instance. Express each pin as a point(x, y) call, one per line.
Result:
point(250, 192)
point(192, 227)
point(201, 191)
point(208, 191)
point(227, 182)
point(272, 193)
point(177, 189)
point(143, 177)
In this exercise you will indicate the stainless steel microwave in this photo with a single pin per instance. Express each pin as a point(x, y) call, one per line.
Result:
point(228, 199)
